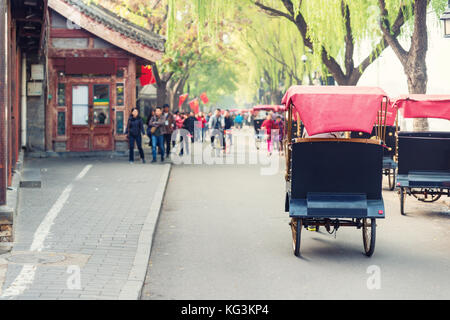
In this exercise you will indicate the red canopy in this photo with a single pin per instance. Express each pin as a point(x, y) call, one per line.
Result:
point(424, 106)
point(335, 108)
point(391, 114)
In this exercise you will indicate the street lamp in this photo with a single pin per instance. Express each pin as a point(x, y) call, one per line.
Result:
point(446, 18)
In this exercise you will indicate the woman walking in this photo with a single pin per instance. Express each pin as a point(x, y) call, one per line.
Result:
point(268, 124)
point(157, 124)
point(135, 128)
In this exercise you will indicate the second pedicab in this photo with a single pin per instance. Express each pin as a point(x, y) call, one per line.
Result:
point(334, 182)
point(424, 157)
point(259, 114)
point(389, 133)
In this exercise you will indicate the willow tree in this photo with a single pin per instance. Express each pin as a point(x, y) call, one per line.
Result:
point(414, 59)
point(175, 21)
point(274, 64)
point(334, 29)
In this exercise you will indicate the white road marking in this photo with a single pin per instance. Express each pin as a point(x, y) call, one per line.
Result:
point(27, 274)
point(21, 282)
point(83, 172)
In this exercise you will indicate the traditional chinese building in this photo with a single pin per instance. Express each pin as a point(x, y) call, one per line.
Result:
point(93, 60)
point(67, 78)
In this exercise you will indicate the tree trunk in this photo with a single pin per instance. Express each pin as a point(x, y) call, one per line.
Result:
point(417, 84)
point(416, 67)
point(161, 94)
point(414, 60)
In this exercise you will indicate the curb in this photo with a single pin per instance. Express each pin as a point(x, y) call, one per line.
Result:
point(10, 210)
point(133, 287)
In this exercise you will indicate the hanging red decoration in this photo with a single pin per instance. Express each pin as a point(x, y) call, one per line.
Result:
point(183, 98)
point(195, 105)
point(204, 98)
point(147, 76)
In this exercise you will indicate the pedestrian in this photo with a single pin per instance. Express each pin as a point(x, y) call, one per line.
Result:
point(135, 127)
point(201, 121)
point(157, 124)
point(268, 125)
point(179, 119)
point(279, 125)
point(238, 121)
point(189, 124)
point(169, 126)
point(228, 125)
point(149, 134)
point(217, 125)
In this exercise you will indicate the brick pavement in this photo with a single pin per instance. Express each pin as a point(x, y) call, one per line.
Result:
point(97, 230)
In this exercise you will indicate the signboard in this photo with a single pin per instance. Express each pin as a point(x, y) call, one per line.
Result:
point(37, 72)
point(34, 89)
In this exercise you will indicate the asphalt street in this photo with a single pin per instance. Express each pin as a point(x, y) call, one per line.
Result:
point(223, 234)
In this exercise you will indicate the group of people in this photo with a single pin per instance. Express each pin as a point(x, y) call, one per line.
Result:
point(274, 122)
point(161, 124)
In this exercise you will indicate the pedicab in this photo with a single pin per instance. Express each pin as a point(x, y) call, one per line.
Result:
point(390, 141)
point(335, 182)
point(258, 118)
point(423, 157)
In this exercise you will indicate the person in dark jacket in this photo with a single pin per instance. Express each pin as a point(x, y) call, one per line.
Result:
point(189, 125)
point(157, 123)
point(135, 128)
point(228, 124)
point(169, 125)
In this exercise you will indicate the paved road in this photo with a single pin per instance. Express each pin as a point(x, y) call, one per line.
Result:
point(85, 233)
point(223, 235)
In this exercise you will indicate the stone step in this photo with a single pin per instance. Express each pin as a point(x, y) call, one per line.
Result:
point(31, 178)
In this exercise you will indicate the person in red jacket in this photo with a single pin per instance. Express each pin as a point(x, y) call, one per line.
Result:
point(200, 126)
point(268, 124)
point(279, 125)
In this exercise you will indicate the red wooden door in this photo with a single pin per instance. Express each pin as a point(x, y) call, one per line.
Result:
point(90, 128)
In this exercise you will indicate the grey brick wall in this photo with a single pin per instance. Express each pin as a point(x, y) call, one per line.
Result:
point(36, 113)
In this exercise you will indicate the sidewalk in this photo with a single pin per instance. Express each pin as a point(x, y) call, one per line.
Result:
point(87, 233)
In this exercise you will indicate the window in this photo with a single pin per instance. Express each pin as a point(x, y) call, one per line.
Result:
point(61, 123)
point(61, 95)
point(119, 122)
point(119, 94)
point(80, 105)
point(101, 104)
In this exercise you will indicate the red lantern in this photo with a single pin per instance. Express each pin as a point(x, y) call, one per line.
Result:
point(147, 76)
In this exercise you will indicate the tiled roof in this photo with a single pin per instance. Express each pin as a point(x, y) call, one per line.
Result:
point(123, 26)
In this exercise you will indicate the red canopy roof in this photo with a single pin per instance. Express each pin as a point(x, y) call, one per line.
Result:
point(424, 106)
point(391, 114)
point(335, 108)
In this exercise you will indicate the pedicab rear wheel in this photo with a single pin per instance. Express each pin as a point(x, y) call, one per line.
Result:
point(402, 201)
point(391, 179)
point(296, 228)
point(369, 235)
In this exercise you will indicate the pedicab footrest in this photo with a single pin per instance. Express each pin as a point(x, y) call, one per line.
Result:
point(389, 163)
point(425, 179)
point(336, 205)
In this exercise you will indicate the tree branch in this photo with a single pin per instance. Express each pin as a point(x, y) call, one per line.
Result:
point(395, 29)
point(349, 46)
point(389, 36)
point(274, 12)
